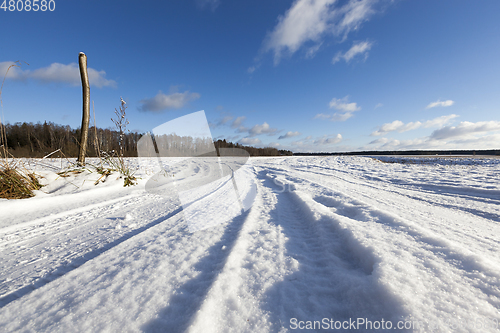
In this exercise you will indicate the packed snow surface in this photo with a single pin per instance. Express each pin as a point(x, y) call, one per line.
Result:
point(328, 243)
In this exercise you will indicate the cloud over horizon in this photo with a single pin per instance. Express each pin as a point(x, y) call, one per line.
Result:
point(225, 120)
point(57, 73)
point(288, 135)
point(256, 129)
point(238, 121)
point(465, 128)
point(318, 144)
point(163, 102)
point(466, 135)
point(340, 104)
point(327, 141)
point(401, 127)
point(262, 129)
point(250, 141)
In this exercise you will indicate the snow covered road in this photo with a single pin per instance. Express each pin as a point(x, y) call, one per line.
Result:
point(327, 240)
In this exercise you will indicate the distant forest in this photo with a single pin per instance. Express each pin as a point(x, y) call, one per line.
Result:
point(38, 140)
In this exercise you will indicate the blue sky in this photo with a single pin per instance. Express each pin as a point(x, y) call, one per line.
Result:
point(306, 75)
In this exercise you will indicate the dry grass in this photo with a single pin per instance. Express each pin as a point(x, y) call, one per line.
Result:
point(16, 182)
point(114, 163)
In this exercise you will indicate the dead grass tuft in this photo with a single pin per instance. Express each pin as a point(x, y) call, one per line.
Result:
point(16, 184)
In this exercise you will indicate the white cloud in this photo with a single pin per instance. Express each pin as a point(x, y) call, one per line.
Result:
point(289, 135)
point(465, 129)
point(232, 138)
point(360, 48)
point(242, 129)
point(221, 122)
point(237, 122)
point(250, 141)
point(400, 127)
point(440, 103)
point(311, 20)
point(343, 105)
point(262, 129)
point(57, 72)
point(379, 141)
point(232, 122)
point(472, 142)
point(389, 127)
point(311, 52)
point(439, 121)
point(393, 143)
point(388, 143)
point(255, 130)
point(335, 116)
point(225, 120)
point(318, 144)
point(467, 142)
point(466, 135)
point(346, 110)
point(172, 101)
point(322, 116)
point(379, 105)
point(327, 141)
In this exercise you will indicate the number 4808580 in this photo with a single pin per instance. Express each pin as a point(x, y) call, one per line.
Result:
point(28, 5)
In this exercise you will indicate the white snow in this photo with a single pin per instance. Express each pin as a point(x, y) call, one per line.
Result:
point(326, 241)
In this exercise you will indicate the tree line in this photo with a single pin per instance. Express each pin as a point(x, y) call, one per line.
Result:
point(268, 151)
point(40, 139)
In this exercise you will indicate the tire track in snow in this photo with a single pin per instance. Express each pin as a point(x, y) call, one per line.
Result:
point(189, 296)
point(24, 278)
point(43, 248)
point(480, 272)
point(164, 266)
point(445, 272)
point(183, 307)
point(52, 224)
point(41, 209)
point(358, 190)
point(442, 261)
point(336, 276)
point(233, 299)
point(491, 198)
point(361, 192)
point(289, 263)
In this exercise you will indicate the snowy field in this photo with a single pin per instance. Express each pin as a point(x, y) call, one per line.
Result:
point(327, 244)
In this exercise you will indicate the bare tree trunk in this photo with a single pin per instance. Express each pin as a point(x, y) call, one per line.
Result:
point(82, 60)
